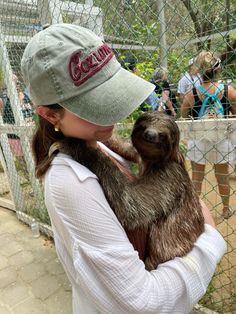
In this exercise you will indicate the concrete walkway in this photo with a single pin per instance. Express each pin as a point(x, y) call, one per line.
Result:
point(32, 280)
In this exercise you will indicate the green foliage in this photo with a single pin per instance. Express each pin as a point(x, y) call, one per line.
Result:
point(124, 131)
point(183, 148)
point(147, 68)
point(133, 116)
point(143, 31)
point(207, 299)
point(147, 65)
point(134, 168)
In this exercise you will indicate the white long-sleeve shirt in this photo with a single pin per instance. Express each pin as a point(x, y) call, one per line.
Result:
point(105, 271)
point(187, 82)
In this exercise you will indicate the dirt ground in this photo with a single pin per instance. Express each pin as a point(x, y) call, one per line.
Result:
point(222, 291)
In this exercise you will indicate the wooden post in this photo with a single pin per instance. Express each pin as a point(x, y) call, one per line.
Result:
point(163, 46)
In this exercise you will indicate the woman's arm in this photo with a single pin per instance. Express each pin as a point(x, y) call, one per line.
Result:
point(107, 268)
point(232, 99)
point(123, 148)
point(168, 102)
point(187, 103)
point(207, 215)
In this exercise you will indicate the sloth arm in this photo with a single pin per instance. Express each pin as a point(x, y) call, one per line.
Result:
point(136, 203)
point(140, 202)
point(132, 204)
point(122, 147)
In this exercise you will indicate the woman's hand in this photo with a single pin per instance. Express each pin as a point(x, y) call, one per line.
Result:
point(207, 215)
point(173, 113)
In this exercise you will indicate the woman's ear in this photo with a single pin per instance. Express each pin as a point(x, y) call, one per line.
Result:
point(48, 114)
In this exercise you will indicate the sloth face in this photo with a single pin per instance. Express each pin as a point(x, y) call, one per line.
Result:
point(155, 136)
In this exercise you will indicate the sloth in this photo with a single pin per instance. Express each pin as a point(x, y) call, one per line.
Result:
point(161, 199)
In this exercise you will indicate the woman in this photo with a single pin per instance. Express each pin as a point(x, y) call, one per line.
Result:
point(220, 153)
point(190, 79)
point(80, 90)
point(162, 89)
point(152, 102)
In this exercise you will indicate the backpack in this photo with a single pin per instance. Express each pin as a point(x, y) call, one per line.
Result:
point(211, 105)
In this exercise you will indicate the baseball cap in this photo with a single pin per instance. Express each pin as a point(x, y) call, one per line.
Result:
point(70, 65)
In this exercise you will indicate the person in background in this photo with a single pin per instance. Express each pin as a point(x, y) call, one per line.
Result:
point(81, 91)
point(153, 101)
point(201, 151)
point(162, 89)
point(191, 78)
point(232, 174)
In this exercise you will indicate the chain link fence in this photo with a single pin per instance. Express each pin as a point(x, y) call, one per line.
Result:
point(145, 35)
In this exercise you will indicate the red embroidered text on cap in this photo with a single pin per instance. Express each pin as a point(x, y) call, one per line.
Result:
point(81, 70)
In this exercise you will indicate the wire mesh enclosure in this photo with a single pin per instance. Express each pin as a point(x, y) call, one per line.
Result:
point(160, 41)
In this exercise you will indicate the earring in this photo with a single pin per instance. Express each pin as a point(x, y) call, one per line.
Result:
point(56, 129)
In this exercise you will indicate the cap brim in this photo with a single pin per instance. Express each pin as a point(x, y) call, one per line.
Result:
point(111, 101)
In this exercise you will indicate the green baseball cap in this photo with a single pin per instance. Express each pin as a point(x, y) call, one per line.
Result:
point(71, 66)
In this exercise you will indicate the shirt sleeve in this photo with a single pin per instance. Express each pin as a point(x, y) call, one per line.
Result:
point(182, 85)
point(185, 84)
point(179, 87)
point(108, 269)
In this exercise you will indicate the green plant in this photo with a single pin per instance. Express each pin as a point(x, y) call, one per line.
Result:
point(207, 299)
point(134, 168)
point(183, 148)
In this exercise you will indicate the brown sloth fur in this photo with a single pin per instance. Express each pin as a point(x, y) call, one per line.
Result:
point(161, 199)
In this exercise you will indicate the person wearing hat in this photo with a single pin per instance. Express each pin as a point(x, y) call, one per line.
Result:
point(80, 90)
point(217, 151)
point(190, 79)
point(167, 99)
point(153, 101)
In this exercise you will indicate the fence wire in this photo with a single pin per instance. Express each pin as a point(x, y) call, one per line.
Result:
point(149, 38)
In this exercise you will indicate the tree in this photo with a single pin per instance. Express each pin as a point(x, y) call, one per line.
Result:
point(209, 17)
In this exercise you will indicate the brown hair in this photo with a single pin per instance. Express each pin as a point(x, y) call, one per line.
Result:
point(209, 65)
point(43, 138)
point(158, 74)
point(193, 69)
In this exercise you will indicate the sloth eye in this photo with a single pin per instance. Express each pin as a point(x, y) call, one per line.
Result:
point(162, 136)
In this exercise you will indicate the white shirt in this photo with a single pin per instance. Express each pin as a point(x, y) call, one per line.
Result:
point(187, 82)
point(105, 271)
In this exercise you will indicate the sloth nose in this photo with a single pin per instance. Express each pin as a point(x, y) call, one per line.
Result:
point(150, 135)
